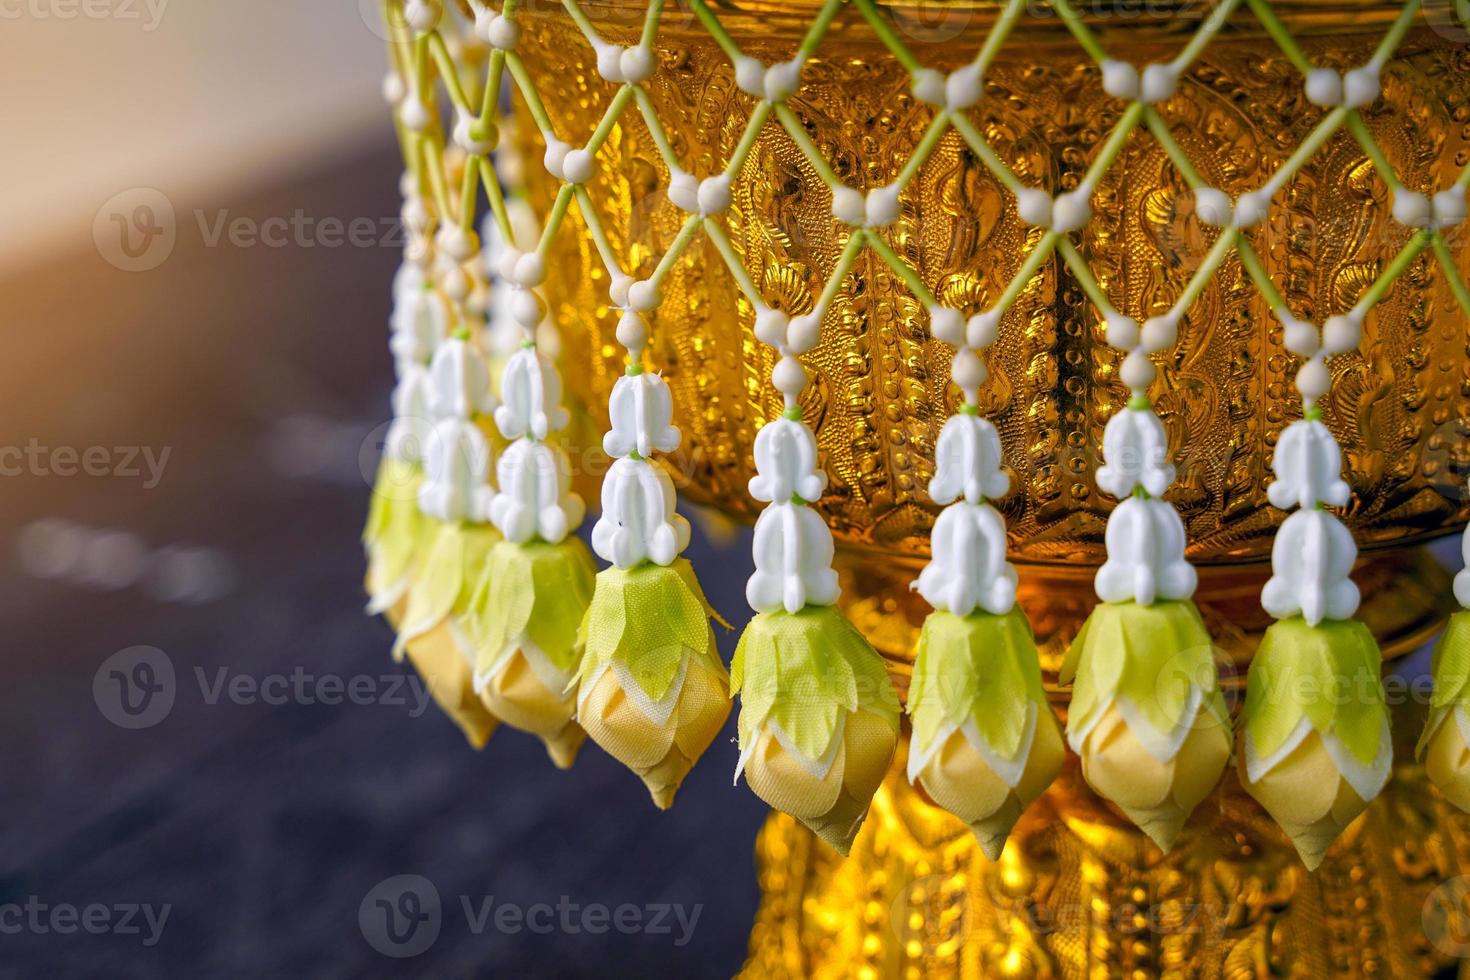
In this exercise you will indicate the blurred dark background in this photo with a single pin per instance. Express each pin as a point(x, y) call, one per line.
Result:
point(234, 392)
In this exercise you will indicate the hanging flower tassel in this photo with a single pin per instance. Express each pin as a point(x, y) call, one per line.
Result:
point(537, 584)
point(396, 536)
point(818, 713)
point(1317, 745)
point(1147, 716)
point(456, 495)
point(985, 742)
point(652, 692)
point(1445, 745)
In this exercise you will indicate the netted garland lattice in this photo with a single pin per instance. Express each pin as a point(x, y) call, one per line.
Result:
point(819, 717)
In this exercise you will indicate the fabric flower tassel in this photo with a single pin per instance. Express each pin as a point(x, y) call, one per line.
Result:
point(1445, 745)
point(395, 536)
point(1147, 716)
point(652, 689)
point(456, 494)
point(1317, 745)
point(530, 599)
point(985, 742)
point(818, 713)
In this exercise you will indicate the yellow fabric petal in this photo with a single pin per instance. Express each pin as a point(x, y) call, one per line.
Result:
point(445, 671)
point(517, 696)
point(1157, 796)
point(1447, 761)
point(1307, 796)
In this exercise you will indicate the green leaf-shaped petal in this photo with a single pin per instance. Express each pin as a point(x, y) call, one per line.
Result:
point(1152, 655)
point(444, 584)
point(801, 671)
point(979, 668)
point(1329, 673)
point(1451, 672)
point(535, 590)
point(395, 530)
point(648, 618)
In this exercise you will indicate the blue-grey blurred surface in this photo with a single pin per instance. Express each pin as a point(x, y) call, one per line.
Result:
point(264, 828)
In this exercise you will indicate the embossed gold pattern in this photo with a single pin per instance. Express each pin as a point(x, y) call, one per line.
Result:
point(1081, 894)
point(1078, 892)
point(880, 386)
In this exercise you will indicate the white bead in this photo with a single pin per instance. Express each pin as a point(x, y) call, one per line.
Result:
point(789, 376)
point(882, 206)
point(502, 33)
point(414, 113)
point(771, 327)
point(1324, 87)
point(1360, 87)
point(1412, 208)
point(556, 155)
point(418, 251)
point(632, 332)
point(849, 207)
point(1449, 207)
point(394, 88)
point(529, 270)
point(968, 372)
point(929, 86)
point(1159, 333)
point(578, 167)
point(1251, 208)
point(617, 289)
point(1034, 206)
point(455, 242)
point(1138, 372)
point(415, 215)
point(423, 15)
point(1158, 83)
point(1072, 210)
point(609, 62)
point(643, 295)
point(1342, 333)
point(983, 329)
point(781, 80)
point(466, 141)
point(750, 76)
point(964, 87)
point(506, 259)
point(714, 194)
point(637, 64)
point(804, 333)
point(684, 191)
point(947, 325)
point(525, 308)
point(1120, 80)
point(456, 284)
point(1299, 337)
point(1312, 380)
point(1213, 206)
point(1122, 331)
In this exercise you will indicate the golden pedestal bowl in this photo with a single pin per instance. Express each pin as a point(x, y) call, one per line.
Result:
point(1079, 892)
